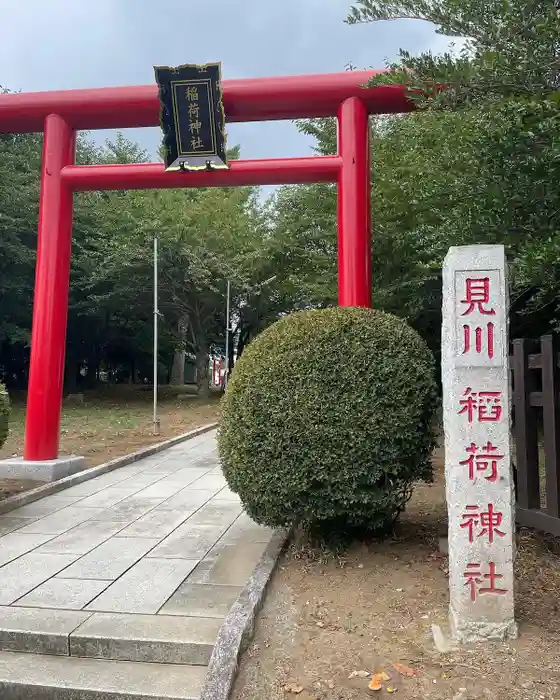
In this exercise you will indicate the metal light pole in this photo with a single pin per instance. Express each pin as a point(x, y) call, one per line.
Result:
point(227, 334)
point(156, 314)
point(228, 329)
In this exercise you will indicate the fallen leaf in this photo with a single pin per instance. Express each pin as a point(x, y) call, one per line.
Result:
point(320, 624)
point(390, 689)
point(377, 679)
point(360, 674)
point(293, 688)
point(330, 684)
point(405, 670)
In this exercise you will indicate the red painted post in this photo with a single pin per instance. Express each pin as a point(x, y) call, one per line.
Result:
point(354, 208)
point(50, 309)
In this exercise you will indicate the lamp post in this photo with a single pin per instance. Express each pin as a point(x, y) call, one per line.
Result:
point(227, 335)
point(156, 314)
point(257, 287)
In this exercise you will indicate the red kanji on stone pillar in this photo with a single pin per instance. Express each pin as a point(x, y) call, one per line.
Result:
point(475, 578)
point(481, 460)
point(482, 522)
point(477, 296)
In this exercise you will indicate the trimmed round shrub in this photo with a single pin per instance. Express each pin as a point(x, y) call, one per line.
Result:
point(328, 419)
point(4, 414)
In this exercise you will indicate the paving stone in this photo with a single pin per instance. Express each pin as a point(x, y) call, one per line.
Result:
point(227, 494)
point(188, 541)
point(184, 476)
point(82, 538)
point(148, 638)
point(219, 513)
point(14, 545)
point(145, 587)
point(143, 479)
point(235, 564)
point(22, 575)
point(111, 559)
point(157, 523)
point(109, 496)
point(208, 461)
point(9, 523)
point(246, 530)
point(87, 488)
point(129, 510)
point(61, 521)
point(188, 499)
point(38, 631)
point(45, 506)
point(161, 489)
point(30, 676)
point(209, 481)
point(201, 600)
point(63, 593)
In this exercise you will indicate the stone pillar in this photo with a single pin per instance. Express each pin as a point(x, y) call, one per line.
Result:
point(478, 474)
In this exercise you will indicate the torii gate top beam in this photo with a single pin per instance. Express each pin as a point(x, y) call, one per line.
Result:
point(245, 100)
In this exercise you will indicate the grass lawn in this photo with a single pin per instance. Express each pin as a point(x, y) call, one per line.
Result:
point(107, 427)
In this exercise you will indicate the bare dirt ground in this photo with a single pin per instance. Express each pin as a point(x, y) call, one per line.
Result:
point(328, 619)
point(103, 428)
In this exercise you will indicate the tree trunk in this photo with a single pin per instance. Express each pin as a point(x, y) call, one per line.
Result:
point(178, 368)
point(244, 337)
point(202, 382)
point(179, 357)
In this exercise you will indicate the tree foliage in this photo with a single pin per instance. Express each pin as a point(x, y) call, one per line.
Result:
point(205, 238)
point(478, 162)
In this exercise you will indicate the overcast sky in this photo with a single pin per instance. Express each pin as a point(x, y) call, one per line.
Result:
point(59, 44)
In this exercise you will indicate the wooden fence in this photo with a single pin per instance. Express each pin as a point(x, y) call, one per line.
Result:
point(535, 374)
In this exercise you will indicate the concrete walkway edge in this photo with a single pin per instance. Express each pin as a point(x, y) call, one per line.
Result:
point(32, 495)
point(238, 627)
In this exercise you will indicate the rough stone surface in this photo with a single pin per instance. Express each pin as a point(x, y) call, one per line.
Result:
point(476, 407)
point(189, 541)
point(38, 631)
point(45, 471)
point(201, 600)
point(235, 564)
point(32, 677)
point(145, 587)
point(238, 627)
point(111, 559)
point(60, 521)
point(63, 594)
point(29, 571)
point(14, 545)
point(82, 538)
point(148, 638)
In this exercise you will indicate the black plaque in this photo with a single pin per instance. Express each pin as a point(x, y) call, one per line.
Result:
point(192, 117)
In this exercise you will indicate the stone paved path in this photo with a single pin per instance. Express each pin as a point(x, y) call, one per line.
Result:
point(138, 565)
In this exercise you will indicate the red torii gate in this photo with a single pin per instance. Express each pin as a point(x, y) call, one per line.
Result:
point(59, 114)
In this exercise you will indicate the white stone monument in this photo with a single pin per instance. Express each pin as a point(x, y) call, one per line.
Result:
point(476, 412)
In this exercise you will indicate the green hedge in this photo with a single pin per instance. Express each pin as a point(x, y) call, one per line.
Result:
point(329, 419)
point(4, 414)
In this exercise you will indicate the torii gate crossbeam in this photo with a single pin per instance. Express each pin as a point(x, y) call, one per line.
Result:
point(60, 114)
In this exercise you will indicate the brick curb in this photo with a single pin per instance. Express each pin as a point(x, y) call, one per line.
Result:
point(23, 499)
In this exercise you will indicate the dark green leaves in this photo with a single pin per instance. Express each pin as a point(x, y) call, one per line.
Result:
point(328, 418)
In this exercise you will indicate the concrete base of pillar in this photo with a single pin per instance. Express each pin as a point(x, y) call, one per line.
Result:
point(43, 471)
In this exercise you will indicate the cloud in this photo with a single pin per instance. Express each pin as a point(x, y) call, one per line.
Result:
point(63, 44)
